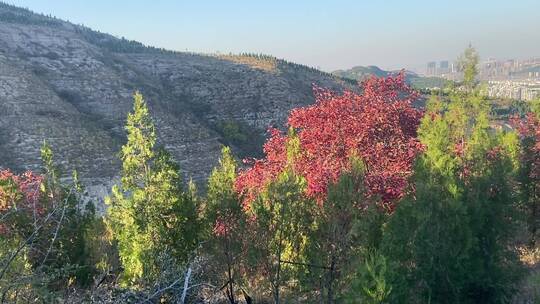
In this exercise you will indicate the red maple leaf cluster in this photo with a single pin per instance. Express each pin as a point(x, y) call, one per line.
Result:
point(19, 193)
point(379, 126)
point(529, 128)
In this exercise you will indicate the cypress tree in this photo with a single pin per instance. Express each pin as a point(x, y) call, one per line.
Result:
point(225, 214)
point(450, 243)
point(150, 214)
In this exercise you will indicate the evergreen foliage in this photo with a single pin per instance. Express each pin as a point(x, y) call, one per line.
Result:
point(468, 64)
point(43, 232)
point(150, 213)
point(366, 199)
point(227, 220)
point(457, 228)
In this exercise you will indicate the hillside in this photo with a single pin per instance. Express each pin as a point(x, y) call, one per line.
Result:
point(72, 86)
point(362, 72)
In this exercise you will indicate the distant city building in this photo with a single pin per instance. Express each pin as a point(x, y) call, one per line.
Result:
point(443, 68)
point(494, 70)
point(431, 68)
point(444, 64)
point(519, 90)
point(453, 68)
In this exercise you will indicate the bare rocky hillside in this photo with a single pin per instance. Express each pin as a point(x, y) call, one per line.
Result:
point(73, 87)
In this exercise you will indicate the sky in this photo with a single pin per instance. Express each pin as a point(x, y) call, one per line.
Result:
point(329, 35)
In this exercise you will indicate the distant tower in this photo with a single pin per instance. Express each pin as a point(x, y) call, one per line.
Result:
point(431, 68)
point(443, 67)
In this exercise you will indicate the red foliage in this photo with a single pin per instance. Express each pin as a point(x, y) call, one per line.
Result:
point(220, 228)
point(19, 193)
point(225, 225)
point(529, 128)
point(379, 126)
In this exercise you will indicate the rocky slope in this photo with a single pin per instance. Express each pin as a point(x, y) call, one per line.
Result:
point(72, 86)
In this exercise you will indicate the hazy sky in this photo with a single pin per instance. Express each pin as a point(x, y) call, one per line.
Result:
point(326, 34)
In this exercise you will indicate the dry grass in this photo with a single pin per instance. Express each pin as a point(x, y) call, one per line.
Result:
point(256, 63)
point(530, 257)
point(529, 292)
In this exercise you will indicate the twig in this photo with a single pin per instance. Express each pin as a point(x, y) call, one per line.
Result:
point(12, 210)
point(56, 230)
point(162, 290)
point(305, 264)
point(27, 241)
point(186, 284)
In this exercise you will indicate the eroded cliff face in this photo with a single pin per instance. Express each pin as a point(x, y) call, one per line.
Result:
point(73, 87)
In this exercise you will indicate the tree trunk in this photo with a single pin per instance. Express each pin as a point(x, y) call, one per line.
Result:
point(230, 288)
point(330, 295)
point(532, 210)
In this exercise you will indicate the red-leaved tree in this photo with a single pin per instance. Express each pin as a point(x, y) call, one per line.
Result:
point(529, 130)
point(379, 126)
point(19, 194)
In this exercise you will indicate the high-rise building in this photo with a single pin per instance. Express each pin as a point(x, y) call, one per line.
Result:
point(431, 68)
point(443, 67)
point(444, 64)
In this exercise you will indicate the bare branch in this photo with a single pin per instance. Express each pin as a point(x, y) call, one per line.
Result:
point(26, 242)
point(155, 294)
point(186, 284)
point(57, 227)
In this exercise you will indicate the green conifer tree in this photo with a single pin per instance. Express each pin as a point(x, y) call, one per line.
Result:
point(342, 227)
point(528, 176)
point(277, 239)
point(278, 236)
point(468, 63)
point(450, 243)
point(150, 214)
point(226, 217)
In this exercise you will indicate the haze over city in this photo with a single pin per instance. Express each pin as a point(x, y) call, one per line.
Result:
point(389, 34)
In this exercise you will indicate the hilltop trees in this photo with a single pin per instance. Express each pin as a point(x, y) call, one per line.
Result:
point(442, 233)
point(280, 215)
point(337, 237)
point(529, 175)
point(43, 231)
point(468, 64)
point(378, 126)
point(226, 221)
point(66, 231)
point(366, 199)
point(344, 155)
point(456, 229)
point(150, 214)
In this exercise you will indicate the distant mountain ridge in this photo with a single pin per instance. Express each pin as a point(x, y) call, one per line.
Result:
point(360, 73)
point(73, 87)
